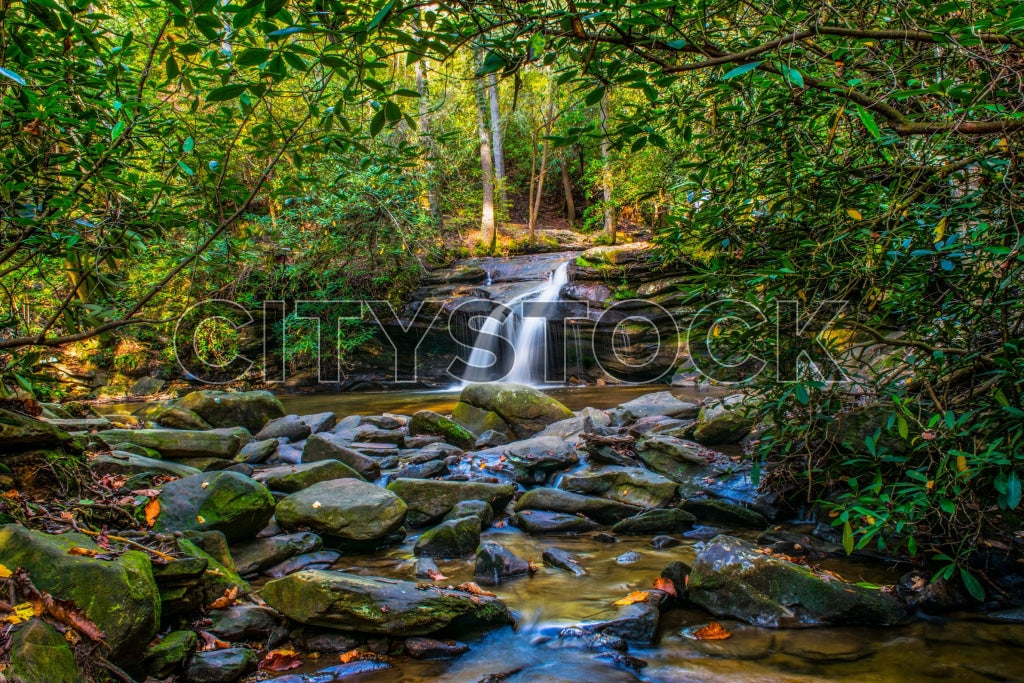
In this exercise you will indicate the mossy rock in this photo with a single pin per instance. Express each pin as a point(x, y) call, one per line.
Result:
point(452, 538)
point(292, 478)
point(218, 578)
point(669, 521)
point(118, 595)
point(429, 422)
point(481, 421)
point(249, 409)
point(524, 409)
point(170, 654)
point(23, 433)
point(429, 500)
point(722, 512)
point(39, 654)
point(179, 443)
point(229, 502)
point(345, 509)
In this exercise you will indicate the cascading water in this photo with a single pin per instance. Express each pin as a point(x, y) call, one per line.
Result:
point(525, 335)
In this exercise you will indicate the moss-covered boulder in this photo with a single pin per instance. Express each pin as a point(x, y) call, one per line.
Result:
point(530, 461)
point(667, 521)
point(39, 654)
point(344, 509)
point(130, 464)
point(220, 575)
point(729, 578)
point(523, 409)
point(452, 538)
point(23, 433)
point(229, 502)
point(724, 512)
point(179, 443)
point(429, 500)
point(170, 654)
point(677, 459)
point(249, 409)
point(724, 422)
point(292, 478)
point(333, 447)
point(556, 500)
point(172, 417)
point(371, 605)
point(630, 485)
point(119, 595)
point(435, 424)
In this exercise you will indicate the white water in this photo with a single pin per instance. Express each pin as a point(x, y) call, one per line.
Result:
point(526, 335)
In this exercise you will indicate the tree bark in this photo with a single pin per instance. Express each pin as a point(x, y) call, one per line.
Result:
point(427, 141)
point(570, 202)
point(606, 174)
point(498, 143)
point(488, 231)
point(549, 115)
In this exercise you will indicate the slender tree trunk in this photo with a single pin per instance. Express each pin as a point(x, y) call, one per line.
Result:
point(606, 174)
point(533, 184)
point(427, 141)
point(570, 203)
point(549, 117)
point(498, 142)
point(488, 231)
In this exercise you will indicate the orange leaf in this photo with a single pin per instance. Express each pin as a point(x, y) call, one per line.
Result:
point(212, 642)
point(280, 660)
point(436, 575)
point(475, 589)
point(357, 655)
point(85, 552)
point(226, 600)
point(635, 596)
point(713, 631)
point(666, 585)
point(152, 510)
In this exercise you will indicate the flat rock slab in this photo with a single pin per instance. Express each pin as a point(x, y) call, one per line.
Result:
point(179, 443)
point(345, 509)
point(429, 500)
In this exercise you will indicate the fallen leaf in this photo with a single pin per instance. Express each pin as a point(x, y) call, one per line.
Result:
point(200, 519)
point(152, 511)
point(635, 596)
point(22, 612)
point(713, 631)
point(316, 504)
point(12, 494)
point(211, 642)
point(436, 575)
point(665, 585)
point(474, 589)
point(84, 552)
point(103, 540)
point(152, 493)
point(531, 566)
point(357, 655)
point(226, 600)
point(5, 573)
point(204, 485)
point(280, 660)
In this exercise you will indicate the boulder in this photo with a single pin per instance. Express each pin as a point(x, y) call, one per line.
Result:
point(170, 654)
point(371, 605)
point(39, 654)
point(556, 500)
point(292, 478)
point(530, 461)
point(539, 522)
point(129, 464)
point(146, 386)
point(431, 423)
point(344, 509)
point(562, 559)
point(249, 409)
point(321, 559)
point(722, 512)
point(472, 508)
point(630, 485)
point(570, 429)
point(319, 422)
point(633, 623)
point(424, 470)
point(243, 622)
point(724, 422)
point(221, 666)
point(494, 564)
point(730, 578)
point(172, 417)
point(664, 521)
point(677, 459)
point(257, 452)
point(490, 439)
point(649, 405)
point(223, 501)
point(329, 447)
point(427, 648)
point(219, 575)
point(450, 539)
point(523, 409)
point(429, 500)
point(179, 443)
point(252, 557)
point(127, 609)
point(23, 433)
point(289, 427)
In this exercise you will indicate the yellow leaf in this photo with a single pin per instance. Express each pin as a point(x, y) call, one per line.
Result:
point(22, 612)
point(854, 214)
point(152, 511)
point(5, 573)
point(635, 596)
point(940, 230)
point(713, 631)
point(961, 463)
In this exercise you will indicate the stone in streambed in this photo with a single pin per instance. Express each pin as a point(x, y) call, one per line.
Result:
point(556, 500)
point(722, 512)
point(539, 522)
point(290, 427)
point(628, 557)
point(179, 443)
point(472, 508)
point(724, 422)
point(170, 654)
point(223, 501)
point(427, 648)
point(218, 578)
point(494, 564)
point(530, 461)
point(523, 409)
point(257, 452)
point(319, 422)
point(453, 538)
point(319, 560)
point(243, 622)
point(122, 462)
point(252, 557)
point(435, 424)
point(668, 520)
point(429, 500)
point(292, 478)
point(327, 447)
point(345, 509)
point(677, 459)
point(221, 666)
point(649, 405)
point(39, 654)
point(423, 470)
point(562, 559)
point(630, 485)
point(249, 409)
point(372, 605)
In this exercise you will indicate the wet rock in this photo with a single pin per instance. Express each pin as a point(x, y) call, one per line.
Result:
point(654, 425)
point(420, 440)
point(321, 640)
point(23, 433)
point(345, 509)
point(724, 422)
point(664, 542)
point(425, 648)
point(252, 557)
point(172, 417)
point(319, 560)
point(475, 508)
point(556, 500)
point(429, 422)
point(127, 609)
point(386, 421)
point(635, 623)
point(224, 501)
point(571, 428)
point(676, 572)
point(221, 666)
point(722, 512)
point(249, 409)
point(452, 538)
point(562, 559)
point(179, 443)
point(429, 500)
point(292, 478)
point(426, 470)
point(538, 522)
point(746, 642)
point(494, 564)
point(931, 597)
point(677, 459)
point(327, 447)
point(371, 605)
point(218, 578)
point(658, 403)
point(524, 410)
point(121, 462)
point(630, 485)
point(604, 537)
point(530, 461)
point(39, 654)
point(319, 422)
point(146, 386)
point(243, 622)
point(347, 424)
point(490, 439)
point(170, 654)
point(825, 645)
point(629, 557)
point(289, 427)
point(426, 568)
point(730, 579)
point(668, 520)
point(374, 435)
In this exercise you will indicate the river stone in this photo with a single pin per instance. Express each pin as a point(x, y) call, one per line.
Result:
point(629, 557)
point(249, 409)
point(712, 510)
point(220, 576)
point(431, 423)
point(424, 470)
point(373, 605)
point(179, 443)
point(223, 501)
point(243, 622)
point(257, 452)
point(556, 500)
point(252, 557)
point(420, 440)
point(494, 564)
point(524, 409)
point(172, 417)
point(450, 539)
point(39, 654)
point(121, 462)
point(292, 478)
point(23, 433)
point(724, 422)
point(630, 485)
point(345, 509)
point(119, 594)
point(490, 439)
point(480, 421)
point(322, 559)
point(563, 559)
point(170, 653)
point(660, 521)
point(475, 508)
point(730, 579)
point(289, 427)
point(328, 447)
point(538, 522)
point(427, 648)
point(677, 459)
point(319, 422)
point(648, 405)
point(531, 461)
point(571, 428)
point(634, 623)
point(221, 666)
point(429, 500)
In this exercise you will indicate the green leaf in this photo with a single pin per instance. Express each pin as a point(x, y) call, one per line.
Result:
point(801, 394)
point(392, 112)
point(185, 167)
point(226, 92)
point(972, 585)
point(377, 123)
point(253, 56)
point(492, 62)
point(188, 145)
point(381, 15)
point(848, 538)
point(869, 122)
point(11, 75)
point(116, 131)
point(272, 7)
point(1013, 490)
point(795, 77)
point(740, 70)
point(901, 424)
point(406, 92)
point(594, 96)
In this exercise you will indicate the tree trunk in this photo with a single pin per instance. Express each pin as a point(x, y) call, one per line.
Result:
point(498, 143)
point(549, 116)
point(427, 141)
point(488, 232)
point(606, 174)
point(570, 203)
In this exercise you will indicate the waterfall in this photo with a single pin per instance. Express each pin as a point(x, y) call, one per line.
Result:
point(526, 336)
